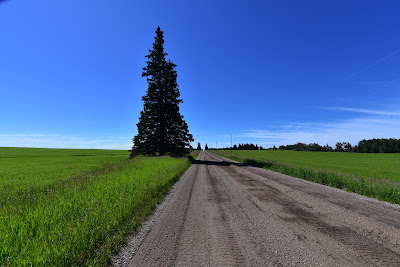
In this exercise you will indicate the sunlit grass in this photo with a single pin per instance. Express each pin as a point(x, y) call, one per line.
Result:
point(374, 175)
point(76, 207)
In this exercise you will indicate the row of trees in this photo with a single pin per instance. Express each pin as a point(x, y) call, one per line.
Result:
point(306, 147)
point(245, 147)
point(364, 146)
point(379, 146)
point(236, 147)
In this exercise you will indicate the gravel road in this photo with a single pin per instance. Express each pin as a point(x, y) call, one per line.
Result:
point(223, 213)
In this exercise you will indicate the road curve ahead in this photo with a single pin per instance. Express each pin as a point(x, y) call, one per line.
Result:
point(223, 213)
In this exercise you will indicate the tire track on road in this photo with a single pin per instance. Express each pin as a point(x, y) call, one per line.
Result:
point(179, 234)
point(168, 232)
point(228, 247)
point(370, 250)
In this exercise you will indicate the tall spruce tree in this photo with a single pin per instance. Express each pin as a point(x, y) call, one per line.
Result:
point(161, 128)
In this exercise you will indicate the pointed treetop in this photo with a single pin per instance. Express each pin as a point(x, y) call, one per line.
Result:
point(161, 128)
point(158, 44)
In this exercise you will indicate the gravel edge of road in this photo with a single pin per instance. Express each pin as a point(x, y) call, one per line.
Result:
point(134, 241)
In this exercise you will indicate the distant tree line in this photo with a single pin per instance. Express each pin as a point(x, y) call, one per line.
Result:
point(379, 146)
point(244, 147)
point(307, 147)
point(364, 146)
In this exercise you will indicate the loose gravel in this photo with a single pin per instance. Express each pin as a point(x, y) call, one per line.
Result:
point(224, 213)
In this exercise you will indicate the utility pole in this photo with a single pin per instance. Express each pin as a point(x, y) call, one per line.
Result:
point(216, 145)
point(231, 143)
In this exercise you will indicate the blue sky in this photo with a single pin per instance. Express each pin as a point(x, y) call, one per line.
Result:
point(267, 72)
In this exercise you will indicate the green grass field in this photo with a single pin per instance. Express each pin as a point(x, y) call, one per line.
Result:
point(374, 175)
point(65, 207)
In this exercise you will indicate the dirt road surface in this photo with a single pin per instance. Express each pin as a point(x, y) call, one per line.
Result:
point(223, 213)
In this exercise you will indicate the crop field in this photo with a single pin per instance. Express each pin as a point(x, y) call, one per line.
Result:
point(65, 207)
point(374, 175)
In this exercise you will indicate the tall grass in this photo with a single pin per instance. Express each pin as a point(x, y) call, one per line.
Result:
point(68, 209)
point(375, 185)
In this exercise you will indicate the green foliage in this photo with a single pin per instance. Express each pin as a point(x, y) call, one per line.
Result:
point(161, 128)
point(373, 175)
point(339, 147)
point(206, 147)
point(379, 146)
point(193, 155)
point(308, 147)
point(76, 207)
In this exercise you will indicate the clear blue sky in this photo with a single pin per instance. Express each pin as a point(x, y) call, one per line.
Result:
point(267, 72)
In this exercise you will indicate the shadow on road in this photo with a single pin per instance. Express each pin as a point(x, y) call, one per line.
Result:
point(218, 163)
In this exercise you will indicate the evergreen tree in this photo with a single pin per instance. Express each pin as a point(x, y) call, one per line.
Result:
point(198, 146)
point(161, 128)
point(206, 147)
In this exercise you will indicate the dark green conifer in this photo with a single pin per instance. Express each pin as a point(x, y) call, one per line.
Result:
point(161, 128)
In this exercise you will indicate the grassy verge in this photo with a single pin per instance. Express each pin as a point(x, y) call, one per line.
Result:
point(383, 189)
point(193, 155)
point(76, 210)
